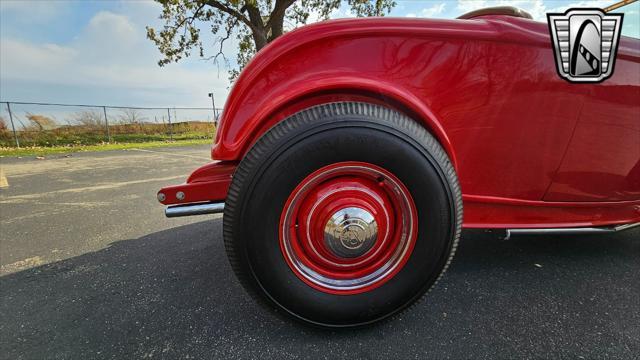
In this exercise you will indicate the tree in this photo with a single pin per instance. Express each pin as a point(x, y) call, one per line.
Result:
point(89, 118)
point(132, 116)
point(255, 23)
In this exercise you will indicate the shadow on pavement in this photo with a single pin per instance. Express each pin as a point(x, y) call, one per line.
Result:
point(172, 294)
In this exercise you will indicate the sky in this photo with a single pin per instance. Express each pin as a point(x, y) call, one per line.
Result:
point(96, 52)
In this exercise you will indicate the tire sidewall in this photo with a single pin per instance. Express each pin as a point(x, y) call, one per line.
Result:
point(284, 162)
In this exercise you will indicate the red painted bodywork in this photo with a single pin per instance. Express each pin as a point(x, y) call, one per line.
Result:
point(207, 183)
point(530, 149)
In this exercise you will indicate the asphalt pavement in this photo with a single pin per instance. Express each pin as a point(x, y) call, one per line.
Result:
point(91, 268)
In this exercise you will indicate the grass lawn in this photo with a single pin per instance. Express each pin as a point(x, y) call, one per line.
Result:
point(47, 150)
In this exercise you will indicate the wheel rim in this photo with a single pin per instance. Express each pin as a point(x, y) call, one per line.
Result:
point(348, 228)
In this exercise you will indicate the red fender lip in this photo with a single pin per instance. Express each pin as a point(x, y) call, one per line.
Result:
point(208, 183)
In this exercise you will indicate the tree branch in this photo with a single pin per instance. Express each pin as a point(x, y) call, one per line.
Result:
point(233, 12)
point(254, 15)
point(259, 32)
point(191, 18)
point(229, 29)
point(278, 12)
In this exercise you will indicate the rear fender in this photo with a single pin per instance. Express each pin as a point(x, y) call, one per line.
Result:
point(238, 135)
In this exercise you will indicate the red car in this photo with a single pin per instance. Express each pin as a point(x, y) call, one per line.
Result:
point(349, 149)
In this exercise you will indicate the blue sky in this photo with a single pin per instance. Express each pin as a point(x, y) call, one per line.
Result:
point(96, 52)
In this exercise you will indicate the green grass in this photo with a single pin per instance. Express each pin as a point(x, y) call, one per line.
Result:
point(86, 135)
point(48, 150)
point(47, 139)
point(68, 139)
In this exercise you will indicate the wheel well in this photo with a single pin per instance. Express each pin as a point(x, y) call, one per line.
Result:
point(295, 105)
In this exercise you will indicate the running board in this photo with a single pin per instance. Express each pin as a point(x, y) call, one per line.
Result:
point(582, 230)
point(194, 209)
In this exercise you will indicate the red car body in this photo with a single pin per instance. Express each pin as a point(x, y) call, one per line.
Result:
point(530, 149)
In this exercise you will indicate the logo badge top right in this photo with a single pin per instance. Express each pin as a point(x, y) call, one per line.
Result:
point(585, 42)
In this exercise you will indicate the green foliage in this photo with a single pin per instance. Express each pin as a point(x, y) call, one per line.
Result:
point(254, 23)
point(90, 134)
point(49, 150)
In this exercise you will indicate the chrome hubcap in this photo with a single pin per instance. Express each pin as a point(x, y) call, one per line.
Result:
point(350, 232)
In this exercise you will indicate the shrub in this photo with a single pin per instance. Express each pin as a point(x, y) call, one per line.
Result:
point(89, 118)
point(41, 122)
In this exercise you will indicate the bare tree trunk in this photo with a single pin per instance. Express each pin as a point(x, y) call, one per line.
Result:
point(276, 26)
point(260, 39)
point(276, 18)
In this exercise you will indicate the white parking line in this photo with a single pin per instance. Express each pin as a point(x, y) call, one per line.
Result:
point(3, 179)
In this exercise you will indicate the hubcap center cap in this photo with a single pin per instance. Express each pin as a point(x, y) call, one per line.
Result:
point(350, 232)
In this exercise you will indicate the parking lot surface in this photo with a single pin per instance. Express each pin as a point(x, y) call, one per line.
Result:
point(91, 268)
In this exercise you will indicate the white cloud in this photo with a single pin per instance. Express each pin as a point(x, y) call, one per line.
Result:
point(536, 8)
point(584, 4)
point(434, 10)
point(111, 52)
point(469, 5)
point(430, 12)
point(344, 11)
point(32, 13)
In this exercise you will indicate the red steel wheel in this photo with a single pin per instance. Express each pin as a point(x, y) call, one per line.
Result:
point(348, 228)
point(342, 215)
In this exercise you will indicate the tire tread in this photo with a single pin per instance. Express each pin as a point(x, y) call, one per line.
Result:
point(255, 156)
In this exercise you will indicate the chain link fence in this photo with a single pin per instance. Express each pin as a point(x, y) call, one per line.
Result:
point(44, 124)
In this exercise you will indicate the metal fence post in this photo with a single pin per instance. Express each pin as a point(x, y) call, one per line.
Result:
point(106, 123)
point(13, 127)
point(170, 126)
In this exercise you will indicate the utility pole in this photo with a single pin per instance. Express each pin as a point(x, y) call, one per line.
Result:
point(170, 127)
point(215, 113)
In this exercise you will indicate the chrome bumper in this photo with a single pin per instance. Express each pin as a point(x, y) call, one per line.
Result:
point(194, 209)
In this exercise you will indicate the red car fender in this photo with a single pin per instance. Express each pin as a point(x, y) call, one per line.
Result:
point(242, 117)
point(306, 92)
